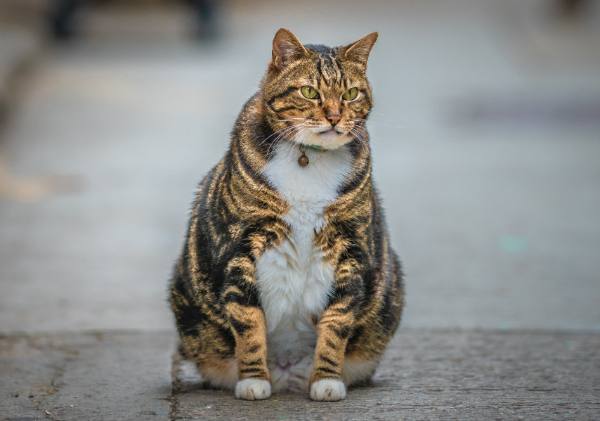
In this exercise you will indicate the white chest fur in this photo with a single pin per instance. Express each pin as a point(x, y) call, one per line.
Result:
point(293, 279)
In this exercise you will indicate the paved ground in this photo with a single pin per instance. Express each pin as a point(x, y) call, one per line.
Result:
point(90, 376)
point(428, 374)
point(486, 145)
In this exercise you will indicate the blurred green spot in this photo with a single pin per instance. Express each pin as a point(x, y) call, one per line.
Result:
point(513, 244)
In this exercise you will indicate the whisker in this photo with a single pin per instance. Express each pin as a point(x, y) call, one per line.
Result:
point(276, 133)
point(289, 130)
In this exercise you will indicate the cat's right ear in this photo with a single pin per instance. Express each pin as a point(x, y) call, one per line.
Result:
point(286, 48)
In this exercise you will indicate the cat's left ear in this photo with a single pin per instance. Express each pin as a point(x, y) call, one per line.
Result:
point(286, 48)
point(359, 51)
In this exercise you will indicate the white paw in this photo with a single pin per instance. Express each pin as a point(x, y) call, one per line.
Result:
point(252, 389)
point(188, 372)
point(328, 390)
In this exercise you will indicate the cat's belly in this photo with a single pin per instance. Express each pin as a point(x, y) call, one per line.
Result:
point(294, 283)
point(294, 280)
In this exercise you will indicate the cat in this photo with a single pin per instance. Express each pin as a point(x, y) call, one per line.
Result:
point(287, 279)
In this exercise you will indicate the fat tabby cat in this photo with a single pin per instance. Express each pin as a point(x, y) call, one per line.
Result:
point(287, 279)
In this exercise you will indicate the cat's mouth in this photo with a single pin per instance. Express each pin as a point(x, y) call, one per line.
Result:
point(325, 138)
point(329, 132)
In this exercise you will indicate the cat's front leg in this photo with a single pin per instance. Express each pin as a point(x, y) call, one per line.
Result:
point(333, 331)
point(248, 325)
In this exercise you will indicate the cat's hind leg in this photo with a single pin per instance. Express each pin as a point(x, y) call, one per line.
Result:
point(358, 370)
point(219, 373)
point(207, 371)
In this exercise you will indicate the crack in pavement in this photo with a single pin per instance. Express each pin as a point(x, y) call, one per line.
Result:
point(39, 392)
point(175, 386)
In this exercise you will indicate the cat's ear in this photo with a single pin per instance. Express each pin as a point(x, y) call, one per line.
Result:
point(359, 51)
point(286, 48)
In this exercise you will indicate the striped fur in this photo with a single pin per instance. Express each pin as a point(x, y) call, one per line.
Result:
point(247, 218)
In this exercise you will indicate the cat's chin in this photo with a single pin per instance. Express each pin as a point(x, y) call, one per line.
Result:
point(329, 140)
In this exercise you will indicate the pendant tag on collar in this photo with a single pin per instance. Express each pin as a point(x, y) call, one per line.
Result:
point(303, 160)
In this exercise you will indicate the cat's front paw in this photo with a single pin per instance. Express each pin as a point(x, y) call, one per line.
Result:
point(252, 389)
point(328, 390)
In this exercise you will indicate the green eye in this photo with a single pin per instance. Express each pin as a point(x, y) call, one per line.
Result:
point(350, 94)
point(309, 92)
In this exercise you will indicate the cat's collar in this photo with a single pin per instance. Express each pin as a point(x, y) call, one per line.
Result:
point(312, 147)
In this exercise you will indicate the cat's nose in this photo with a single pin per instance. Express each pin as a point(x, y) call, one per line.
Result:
point(333, 118)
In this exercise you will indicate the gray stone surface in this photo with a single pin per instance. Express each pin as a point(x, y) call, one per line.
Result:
point(87, 376)
point(426, 374)
point(446, 374)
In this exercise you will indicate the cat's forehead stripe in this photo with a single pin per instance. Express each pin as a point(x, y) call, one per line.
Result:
point(329, 69)
point(338, 69)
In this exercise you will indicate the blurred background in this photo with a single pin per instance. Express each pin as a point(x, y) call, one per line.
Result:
point(485, 135)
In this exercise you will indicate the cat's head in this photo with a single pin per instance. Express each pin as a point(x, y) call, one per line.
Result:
point(318, 95)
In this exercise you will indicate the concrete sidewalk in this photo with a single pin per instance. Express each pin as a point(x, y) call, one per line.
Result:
point(80, 376)
point(427, 374)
